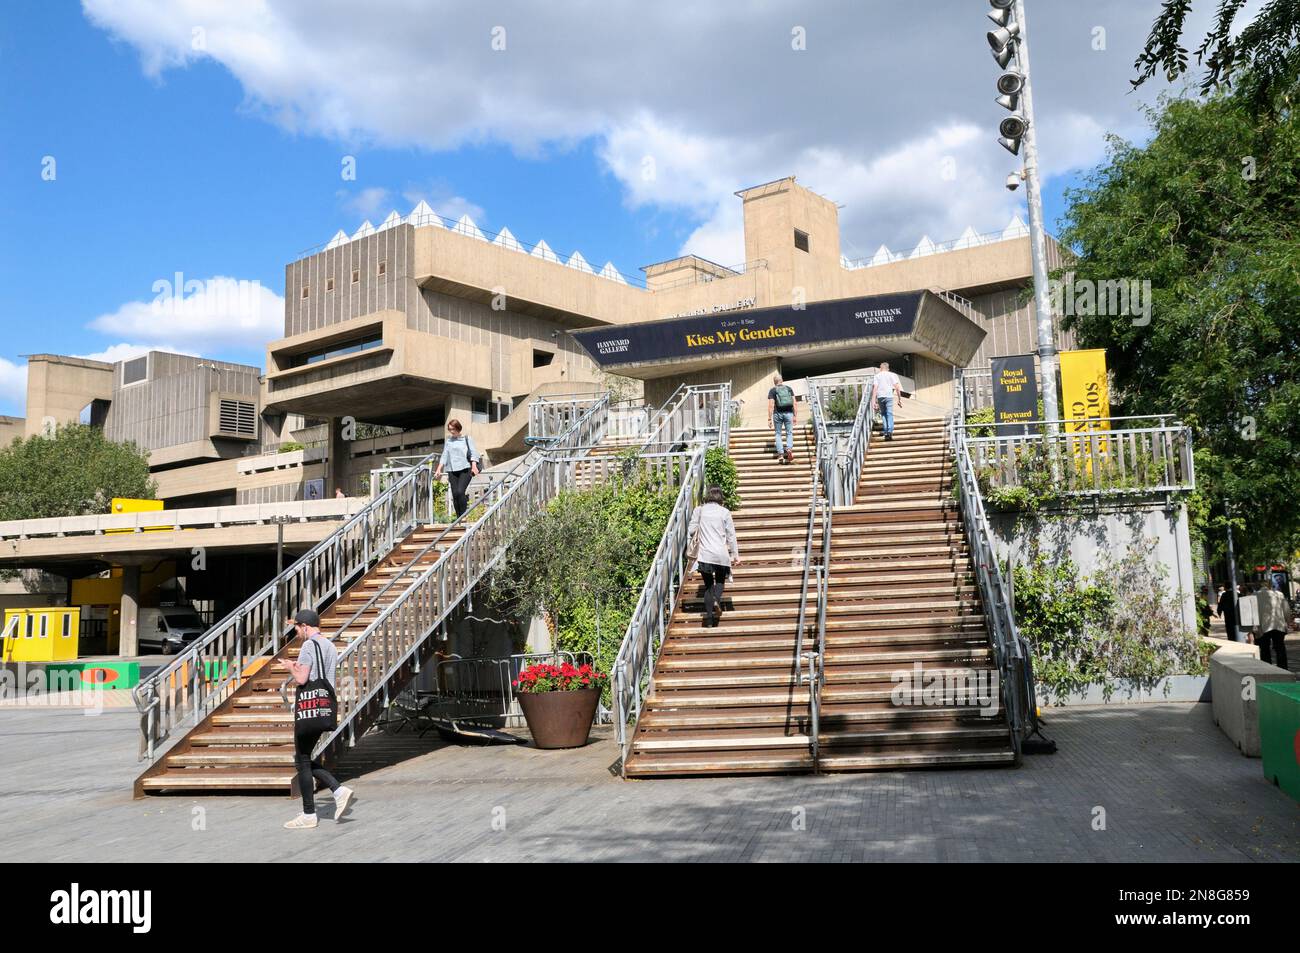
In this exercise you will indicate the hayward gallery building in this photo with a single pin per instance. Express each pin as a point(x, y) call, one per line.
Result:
point(420, 319)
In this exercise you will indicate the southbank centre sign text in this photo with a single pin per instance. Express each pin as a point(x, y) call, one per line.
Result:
point(819, 322)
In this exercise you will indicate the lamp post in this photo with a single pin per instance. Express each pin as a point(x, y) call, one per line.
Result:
point(1009, 41)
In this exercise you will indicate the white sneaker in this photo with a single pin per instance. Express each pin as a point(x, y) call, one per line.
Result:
point(342, 798)
point(302, 822)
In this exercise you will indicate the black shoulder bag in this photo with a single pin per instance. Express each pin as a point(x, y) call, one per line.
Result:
point(316, 709)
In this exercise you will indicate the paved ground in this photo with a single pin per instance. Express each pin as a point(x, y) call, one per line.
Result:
point(1172, 788)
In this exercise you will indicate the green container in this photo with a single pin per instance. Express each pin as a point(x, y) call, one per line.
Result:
point(81, 675)
point(1279, 734)
point(215, 669)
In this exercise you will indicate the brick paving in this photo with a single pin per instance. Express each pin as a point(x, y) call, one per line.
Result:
point(1171, 786)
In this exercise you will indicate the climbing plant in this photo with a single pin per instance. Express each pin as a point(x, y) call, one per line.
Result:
point(720, 471)
point(1120, 623)
point(583, 562)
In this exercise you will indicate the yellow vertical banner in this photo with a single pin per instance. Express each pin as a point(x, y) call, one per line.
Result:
point(1084, 391)
point(1085, 397)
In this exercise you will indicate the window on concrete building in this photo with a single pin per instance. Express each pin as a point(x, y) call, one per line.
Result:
point(356, 275)
point(383, 268)
point(329, 284)
point(800, 240)
point(304, 291)
point(542, 358)
point(484, 411)
point(135, 370)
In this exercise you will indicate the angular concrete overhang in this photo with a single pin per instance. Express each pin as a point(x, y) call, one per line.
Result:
point(473, 268)
point(406, 373)
point(839, 330)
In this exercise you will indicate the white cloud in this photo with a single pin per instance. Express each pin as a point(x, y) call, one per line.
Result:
point(124, 352)
point(13, 385)
point(202, 316)
point(715, 96)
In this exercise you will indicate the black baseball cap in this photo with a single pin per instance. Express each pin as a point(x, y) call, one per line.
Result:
point(308, 617)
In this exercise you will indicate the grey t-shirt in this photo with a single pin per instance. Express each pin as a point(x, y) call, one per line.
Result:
point(328, 654)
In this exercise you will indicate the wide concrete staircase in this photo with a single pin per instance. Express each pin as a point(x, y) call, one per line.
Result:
point(902, 594)
point(247, 742)
point(724, 700)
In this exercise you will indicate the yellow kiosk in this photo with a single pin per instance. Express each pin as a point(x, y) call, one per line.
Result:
point(41, 635)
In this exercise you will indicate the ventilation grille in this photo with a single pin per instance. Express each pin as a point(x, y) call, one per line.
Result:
point(135, 370)
point(237, 418)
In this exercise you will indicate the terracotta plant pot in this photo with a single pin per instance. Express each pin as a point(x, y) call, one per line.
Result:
point(560, 719)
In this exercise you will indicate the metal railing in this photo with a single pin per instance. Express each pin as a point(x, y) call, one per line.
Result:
point(692, 413)
point(816, 571)
point(841, 479)
point(481, 690)
point(394, 638)
point(396, 634)
point(1010, 650)
point(649, 623)
point(1111, 457)
point(488, 494)
point(201, 677)
point(549, 417)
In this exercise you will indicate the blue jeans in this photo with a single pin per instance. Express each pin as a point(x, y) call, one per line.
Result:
point(887, 411)
point(784, 420)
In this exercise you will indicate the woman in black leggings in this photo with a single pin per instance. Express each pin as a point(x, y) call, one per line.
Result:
point(460, 460)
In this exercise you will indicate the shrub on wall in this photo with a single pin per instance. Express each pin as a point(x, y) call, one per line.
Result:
point(583, 562)
point(720, 471)
point(1120, 623)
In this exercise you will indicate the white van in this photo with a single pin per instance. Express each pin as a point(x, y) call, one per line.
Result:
point(169, 628)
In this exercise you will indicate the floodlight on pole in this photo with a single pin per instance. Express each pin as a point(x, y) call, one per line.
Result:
point(1003, 36)
point(1008, 40)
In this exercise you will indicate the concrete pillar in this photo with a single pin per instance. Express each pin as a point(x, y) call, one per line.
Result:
point(340, 455)
point(129, 635)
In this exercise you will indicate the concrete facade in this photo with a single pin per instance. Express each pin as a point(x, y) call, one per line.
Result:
point(1088, 538)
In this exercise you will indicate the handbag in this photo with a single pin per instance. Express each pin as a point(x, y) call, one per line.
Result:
point(315, 709)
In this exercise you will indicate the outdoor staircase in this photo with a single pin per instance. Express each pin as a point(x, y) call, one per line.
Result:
point(247, 742)
point(725, 700)
point(902, 592)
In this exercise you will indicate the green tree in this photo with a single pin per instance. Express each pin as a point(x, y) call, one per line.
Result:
point(1207, 211)
point(74, 472)
point(1264, 53)
point(583, 561)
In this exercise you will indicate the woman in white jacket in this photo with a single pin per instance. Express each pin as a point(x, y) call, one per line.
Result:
point(713, 544)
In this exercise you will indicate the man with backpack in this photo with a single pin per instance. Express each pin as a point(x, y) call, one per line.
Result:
point(315, 712)
point(780, 415)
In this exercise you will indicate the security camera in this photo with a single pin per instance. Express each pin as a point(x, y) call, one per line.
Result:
point(1013, 182)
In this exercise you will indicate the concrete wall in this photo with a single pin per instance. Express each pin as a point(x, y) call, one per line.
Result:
point(1087, 538)
point(168, 414)
point(10, 429)
point(58, 388)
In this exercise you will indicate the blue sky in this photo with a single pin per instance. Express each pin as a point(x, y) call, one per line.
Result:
point(226, 161)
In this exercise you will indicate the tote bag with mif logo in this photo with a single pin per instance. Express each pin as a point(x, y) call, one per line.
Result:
point(316, 708)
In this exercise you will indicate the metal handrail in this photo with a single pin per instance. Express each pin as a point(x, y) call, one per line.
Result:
point(1152, 459)
point(819, 504)
point(204, 674)
point(494, 486)
point(636, 654)
point(679, 419)
point(1011, 652)
point(395, 636)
